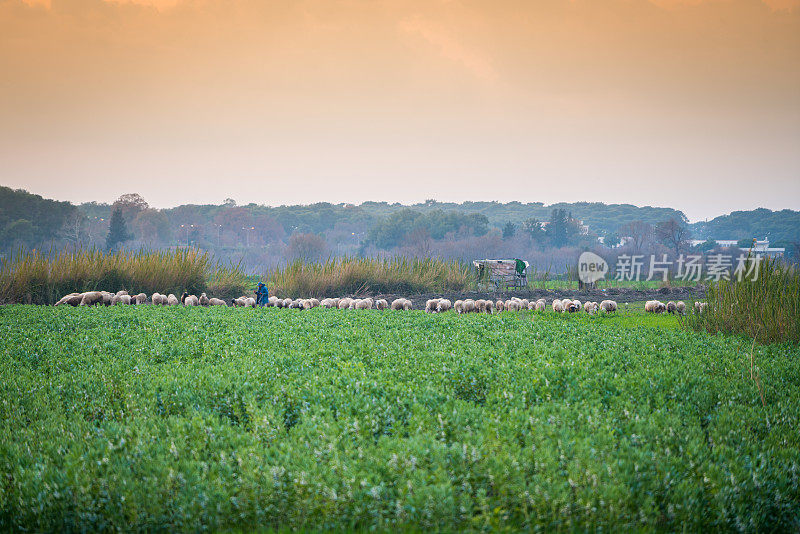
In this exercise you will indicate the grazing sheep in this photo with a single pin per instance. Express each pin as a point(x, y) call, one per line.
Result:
point(140, 298)
point(156, 298)
point(307, 304)
point(189, 300)
point(590, 307)
point(499, 305)
point(469, 306)
point(90, 298)
point(557, 306)
point(381, 304)
point(172, 300)
point(526, 304)
point(671, 307)
point(445, 305)
point(345, 303)
point(431, 305)
point(660, 307)
point(121, 292)
point(649, 306)
point(480, 306)
point(680, 307)
point(213, 301)
point(513, 305)
point(272, 301)
point(458, 306)
point(408, 304)
point(73, 299)
point(700, 307)
point(361, 304)
point(326, 303)
point(397, 304)
point(287, 302)
point(203, 300)
point(121, 299)
point(539, 305)
point(489, 307)
point(608, 306)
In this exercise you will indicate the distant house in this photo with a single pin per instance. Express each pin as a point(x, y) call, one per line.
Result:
point(582, 228)
point(759, 246)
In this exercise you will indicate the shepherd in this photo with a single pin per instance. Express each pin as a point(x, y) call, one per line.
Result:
point(262, 295)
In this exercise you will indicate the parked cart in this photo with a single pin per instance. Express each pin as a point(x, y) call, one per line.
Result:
point(502, 274)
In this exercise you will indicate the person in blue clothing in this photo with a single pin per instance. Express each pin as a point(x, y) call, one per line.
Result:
point(262, 295)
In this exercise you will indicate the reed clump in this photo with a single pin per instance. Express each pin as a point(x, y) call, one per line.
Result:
point(358, 275)
point(34, 277)
point(765, 307)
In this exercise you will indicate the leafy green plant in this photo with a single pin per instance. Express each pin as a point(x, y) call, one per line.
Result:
point(143, 418)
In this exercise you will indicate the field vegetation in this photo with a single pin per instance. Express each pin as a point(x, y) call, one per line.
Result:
point(147, 418)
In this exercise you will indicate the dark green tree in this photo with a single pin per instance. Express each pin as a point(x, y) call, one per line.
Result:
point(117, 231)
point(557, 231)
point(509, 230)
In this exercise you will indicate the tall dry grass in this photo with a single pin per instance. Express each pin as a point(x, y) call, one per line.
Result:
point(766, 309)
point(34, 277)
point(357, 275)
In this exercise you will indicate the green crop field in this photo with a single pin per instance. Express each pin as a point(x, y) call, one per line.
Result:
point(149, 418)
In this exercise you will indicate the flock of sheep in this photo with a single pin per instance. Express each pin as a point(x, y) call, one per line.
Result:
point(517, 304)
point(439, 305)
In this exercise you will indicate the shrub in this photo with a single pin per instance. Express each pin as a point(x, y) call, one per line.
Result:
point(766, 309)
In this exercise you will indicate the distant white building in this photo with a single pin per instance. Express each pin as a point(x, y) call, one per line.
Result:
point(759, 246)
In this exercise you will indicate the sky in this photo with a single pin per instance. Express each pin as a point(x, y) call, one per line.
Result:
point(691, 104)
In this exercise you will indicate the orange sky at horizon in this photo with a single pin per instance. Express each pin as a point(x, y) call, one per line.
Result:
point(200, 100)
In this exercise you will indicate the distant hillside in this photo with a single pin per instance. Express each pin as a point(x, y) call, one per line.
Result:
point(601, 218)
point(779, 226)
point(30, 220)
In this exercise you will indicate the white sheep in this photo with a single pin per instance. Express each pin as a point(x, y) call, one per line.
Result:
point(525, 304)
point(458, 306)
point(73, 299)
point(431, 305)
point(397, 304)
point(345, 303)
point(608, 306)
point(213, 301)
point(489, 308)
point(121, 299)
point(189, 300)
point(540, 305)
point(139, 298)
point(557, 306)
point(363, 304)
point(499, 305)
point(671, 307)
point(172, 300)
point(513, 305)
point(203, 300)
point(90, 298)
point(445, 305)
point(469, 306)
point(680, 307)
point(480, 306)
point(381, 304)
point(408, 304)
